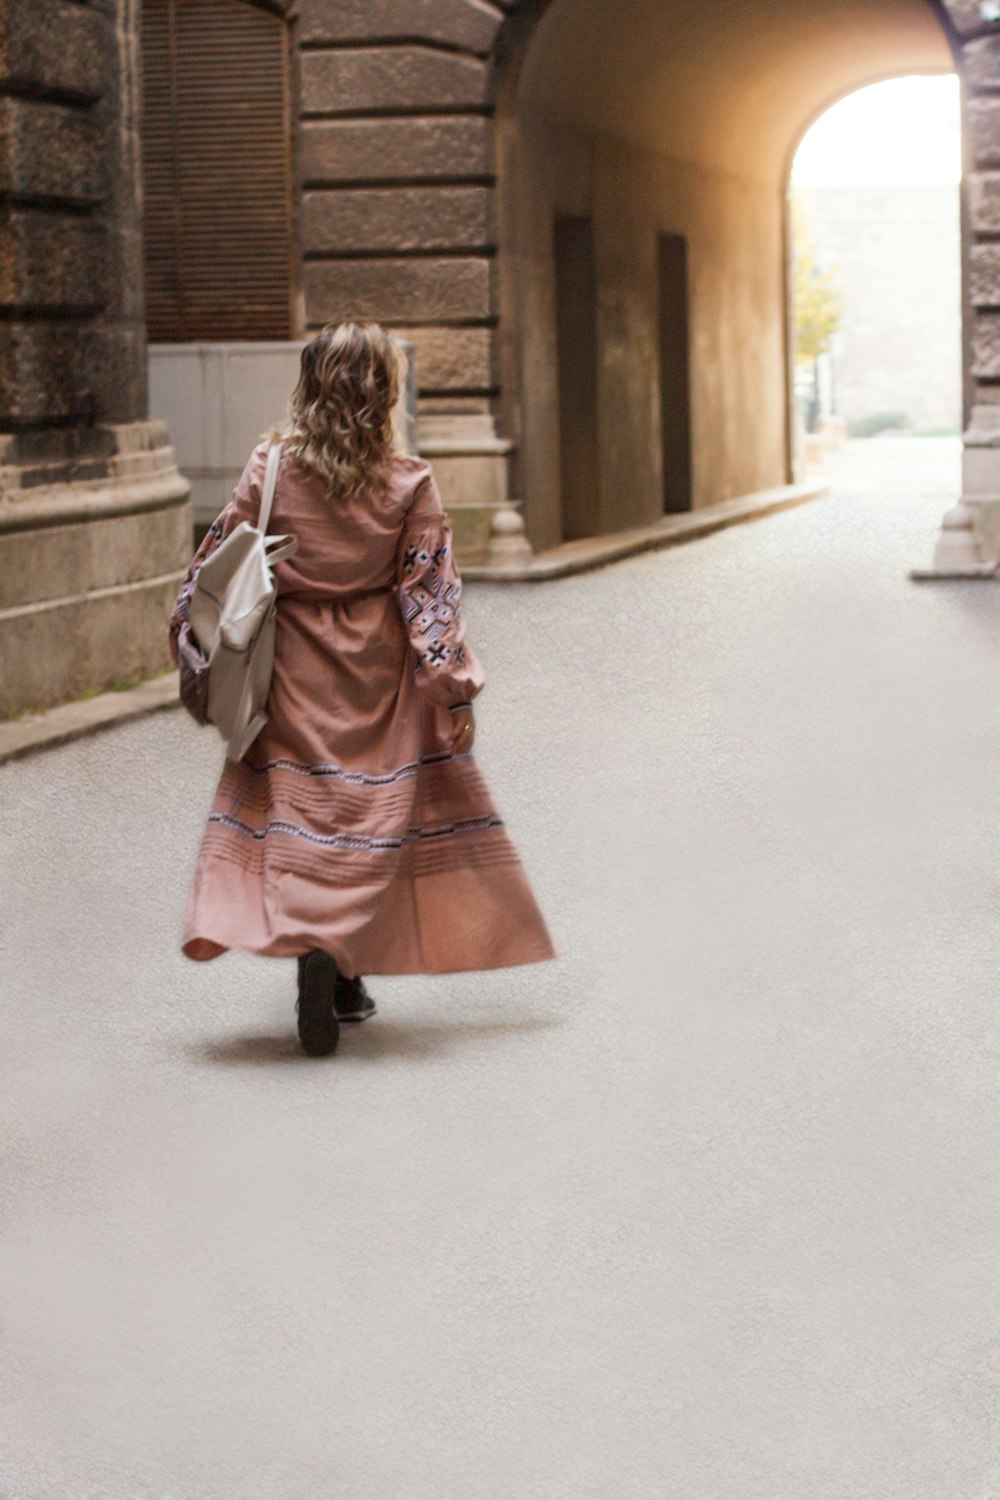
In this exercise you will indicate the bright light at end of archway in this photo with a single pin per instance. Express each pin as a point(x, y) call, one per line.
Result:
point(907, 130)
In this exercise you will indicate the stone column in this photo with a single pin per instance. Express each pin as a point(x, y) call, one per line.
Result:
point(94, 517)
point(969, 544)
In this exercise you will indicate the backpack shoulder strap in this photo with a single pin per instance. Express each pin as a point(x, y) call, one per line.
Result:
point(270, 480)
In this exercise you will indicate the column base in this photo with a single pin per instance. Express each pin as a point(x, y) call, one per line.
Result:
point(89, 567)
point(968, 545)
point(471, 467)
point(960, 550)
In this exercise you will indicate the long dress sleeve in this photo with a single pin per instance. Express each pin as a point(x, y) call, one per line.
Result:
point(244, 506)
point(429, 590)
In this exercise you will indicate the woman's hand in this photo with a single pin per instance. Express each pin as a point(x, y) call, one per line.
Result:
point(463, 728)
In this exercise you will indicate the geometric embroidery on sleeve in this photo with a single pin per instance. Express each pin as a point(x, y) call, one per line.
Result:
point(432, 603)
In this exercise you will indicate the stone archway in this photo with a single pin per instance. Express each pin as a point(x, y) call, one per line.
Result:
point(667, 137)
point(413, 181)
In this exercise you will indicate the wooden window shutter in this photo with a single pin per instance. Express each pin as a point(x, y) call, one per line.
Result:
point(218, 241)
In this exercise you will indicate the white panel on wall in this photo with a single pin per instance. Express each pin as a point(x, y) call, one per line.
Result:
point(217, 400)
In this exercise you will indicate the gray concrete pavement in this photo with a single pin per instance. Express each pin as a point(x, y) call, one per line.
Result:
point(709, 1209)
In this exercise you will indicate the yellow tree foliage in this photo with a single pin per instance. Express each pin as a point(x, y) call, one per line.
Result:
point(817, 296)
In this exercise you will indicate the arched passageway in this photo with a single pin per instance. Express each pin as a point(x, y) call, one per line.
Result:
point(643, 161)
point(876, 233)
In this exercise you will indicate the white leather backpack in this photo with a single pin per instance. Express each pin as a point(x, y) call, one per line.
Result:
point(226, 648)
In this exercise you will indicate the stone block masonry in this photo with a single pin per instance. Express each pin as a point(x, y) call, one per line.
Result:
point(966, 16)
point(48, 260)
point(984, 201)
point(466, 24)
point(54, 47)
point(68, 223)
point(344, 81)
point(398, 220)
point(398, 217)
point(412, 150)
point(982, 122)
point(94, 520)
point(398, 290)
point(394, 221)
point(978, 30)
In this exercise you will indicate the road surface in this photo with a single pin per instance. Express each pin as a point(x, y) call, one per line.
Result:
point(709, 1209)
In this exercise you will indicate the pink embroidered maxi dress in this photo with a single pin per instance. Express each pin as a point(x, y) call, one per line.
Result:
point(350, 825)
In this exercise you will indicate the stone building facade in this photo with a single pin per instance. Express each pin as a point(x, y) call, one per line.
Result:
point(94, 519)
point(574, 211)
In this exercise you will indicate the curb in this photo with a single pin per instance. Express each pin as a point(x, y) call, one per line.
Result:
point(597, 551)
point(72, 721)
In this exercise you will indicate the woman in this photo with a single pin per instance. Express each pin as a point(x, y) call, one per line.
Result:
point(357, 833)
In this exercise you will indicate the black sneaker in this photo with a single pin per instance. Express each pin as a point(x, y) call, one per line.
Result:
point(350, 997)
point(352, 1000)
point(319, 1031)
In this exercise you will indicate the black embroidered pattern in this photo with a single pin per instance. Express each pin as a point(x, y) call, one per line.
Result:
point(360, 841)
point(431, 599)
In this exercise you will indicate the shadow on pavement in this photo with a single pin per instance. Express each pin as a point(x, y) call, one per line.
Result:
point(365, 1043)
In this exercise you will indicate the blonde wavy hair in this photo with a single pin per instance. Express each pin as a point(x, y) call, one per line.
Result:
point(340, 415)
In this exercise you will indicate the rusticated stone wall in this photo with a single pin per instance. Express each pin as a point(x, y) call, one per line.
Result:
point(94, 525)
point(54, 270)
point(397, 221)
point(978, 31)
point(70, 254)
point(980, 55)
point(397, 173)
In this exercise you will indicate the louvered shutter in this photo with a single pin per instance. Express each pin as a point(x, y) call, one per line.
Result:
point(216, 171)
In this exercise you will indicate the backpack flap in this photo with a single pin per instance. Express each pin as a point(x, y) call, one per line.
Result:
point(232, 616)
point(211, 597)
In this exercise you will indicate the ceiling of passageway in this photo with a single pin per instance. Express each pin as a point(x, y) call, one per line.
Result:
point(733, 84)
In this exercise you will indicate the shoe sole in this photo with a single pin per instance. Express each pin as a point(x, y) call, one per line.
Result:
point(319, 1030)
point(356, 1016)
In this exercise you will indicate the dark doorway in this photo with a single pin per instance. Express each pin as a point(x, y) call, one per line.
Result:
point(675, 388)
point(576, 338)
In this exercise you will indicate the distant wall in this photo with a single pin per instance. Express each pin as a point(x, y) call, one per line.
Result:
point(734, 232)
point(897, 255)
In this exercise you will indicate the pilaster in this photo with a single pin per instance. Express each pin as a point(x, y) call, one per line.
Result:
point(969, 544)
point(94, 521)
point(398, 223)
